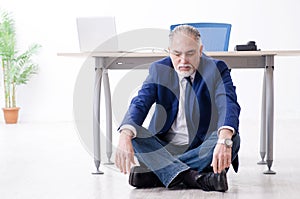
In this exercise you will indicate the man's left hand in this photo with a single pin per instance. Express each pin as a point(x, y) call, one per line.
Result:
point(222, 154)
point(221, 158)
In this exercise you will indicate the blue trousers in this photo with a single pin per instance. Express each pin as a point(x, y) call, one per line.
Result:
point(167, 160)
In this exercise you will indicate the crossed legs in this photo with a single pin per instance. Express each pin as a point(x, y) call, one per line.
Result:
point(163, 158)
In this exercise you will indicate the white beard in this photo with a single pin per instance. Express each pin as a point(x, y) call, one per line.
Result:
point(183, 74)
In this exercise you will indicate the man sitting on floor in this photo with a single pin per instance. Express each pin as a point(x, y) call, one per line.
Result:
point(193, 135)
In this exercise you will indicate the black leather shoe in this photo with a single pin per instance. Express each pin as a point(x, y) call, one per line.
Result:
point(213, 182)
point(142, 177)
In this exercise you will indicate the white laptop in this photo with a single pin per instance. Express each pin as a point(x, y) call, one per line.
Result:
point(97, 34)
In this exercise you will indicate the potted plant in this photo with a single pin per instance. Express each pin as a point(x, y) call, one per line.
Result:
point(17, 68)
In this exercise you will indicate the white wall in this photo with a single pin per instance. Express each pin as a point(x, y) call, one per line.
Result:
point(273, 24)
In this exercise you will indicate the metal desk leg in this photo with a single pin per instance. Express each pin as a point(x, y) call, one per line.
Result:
point(96, 119)
point(263, 123)
point(270, 111)
point(108, 115)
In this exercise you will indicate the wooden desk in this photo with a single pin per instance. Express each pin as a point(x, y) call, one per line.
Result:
point(234, 59)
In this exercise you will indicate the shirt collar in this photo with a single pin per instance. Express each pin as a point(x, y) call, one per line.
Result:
point(193, 76)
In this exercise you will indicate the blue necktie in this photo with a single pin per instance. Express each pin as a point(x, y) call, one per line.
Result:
point(191, 109)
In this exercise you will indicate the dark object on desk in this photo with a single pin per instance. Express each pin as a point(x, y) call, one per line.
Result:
point(250, 46)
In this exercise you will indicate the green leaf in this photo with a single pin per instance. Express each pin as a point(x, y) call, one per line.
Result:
point(17, 68)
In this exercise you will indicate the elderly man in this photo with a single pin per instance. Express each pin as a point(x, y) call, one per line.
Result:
point(193, 134)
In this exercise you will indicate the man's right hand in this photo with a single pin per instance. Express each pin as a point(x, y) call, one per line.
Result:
point(125, 153)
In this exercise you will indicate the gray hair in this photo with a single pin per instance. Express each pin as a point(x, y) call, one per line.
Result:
point(185, 29)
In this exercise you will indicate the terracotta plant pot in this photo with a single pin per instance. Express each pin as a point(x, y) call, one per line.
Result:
point(11, 115)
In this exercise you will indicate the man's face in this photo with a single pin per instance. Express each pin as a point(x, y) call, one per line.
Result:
point(185, 54)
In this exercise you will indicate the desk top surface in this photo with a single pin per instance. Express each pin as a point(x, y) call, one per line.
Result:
point(163, 54)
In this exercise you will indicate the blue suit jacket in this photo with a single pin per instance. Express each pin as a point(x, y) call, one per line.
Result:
point(212, 102)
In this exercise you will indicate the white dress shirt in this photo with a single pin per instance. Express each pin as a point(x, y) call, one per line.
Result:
point(179, 134)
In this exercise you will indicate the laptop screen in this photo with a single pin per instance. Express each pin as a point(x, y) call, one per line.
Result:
point(97, 34)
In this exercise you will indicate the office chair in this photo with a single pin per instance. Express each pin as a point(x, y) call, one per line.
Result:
point(214, 36)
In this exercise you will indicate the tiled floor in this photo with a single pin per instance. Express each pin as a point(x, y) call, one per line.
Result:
point(48, 160)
